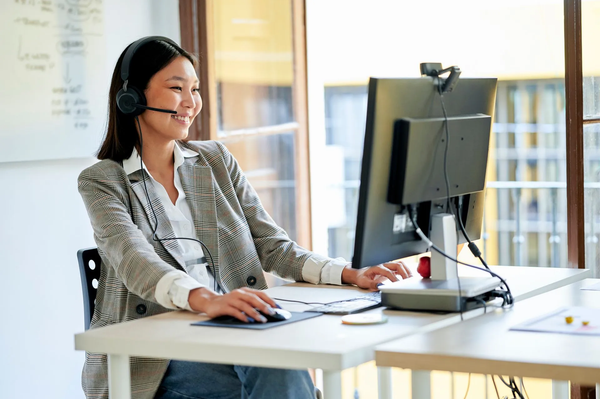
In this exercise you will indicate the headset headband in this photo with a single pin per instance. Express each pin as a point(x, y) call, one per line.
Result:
point(133, 48)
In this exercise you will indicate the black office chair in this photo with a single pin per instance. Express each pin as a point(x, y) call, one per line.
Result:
point(89, 269)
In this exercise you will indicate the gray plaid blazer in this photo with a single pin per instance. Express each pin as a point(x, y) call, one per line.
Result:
point(228, 218)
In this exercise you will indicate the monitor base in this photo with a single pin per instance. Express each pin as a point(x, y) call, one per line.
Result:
point(438, 295)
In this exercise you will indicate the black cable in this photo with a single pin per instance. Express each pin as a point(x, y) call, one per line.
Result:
point(510, 300)
point(154, 236)
point(448, 202)
point(447, 181)
point(457, 215)
point(327, 303)
point(512, 385)
point(304, 303)
point(483, 303)
point(451, 210)
point(515, 388)
point(472, 247)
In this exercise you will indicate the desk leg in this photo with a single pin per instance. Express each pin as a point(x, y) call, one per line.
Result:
point(560, 390)
point(119, 377)
point(421, 384)
point(332, 384)
point(384, 380)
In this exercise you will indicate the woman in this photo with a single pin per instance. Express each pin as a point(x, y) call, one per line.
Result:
point(197, 192)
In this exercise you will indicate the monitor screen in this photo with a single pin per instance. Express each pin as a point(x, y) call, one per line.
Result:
point(403, 163)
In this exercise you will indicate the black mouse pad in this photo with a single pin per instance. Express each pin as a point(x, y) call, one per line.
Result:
point(232, 322)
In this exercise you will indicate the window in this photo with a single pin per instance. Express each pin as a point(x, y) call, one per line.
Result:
point(537, 204)
point(525, 218)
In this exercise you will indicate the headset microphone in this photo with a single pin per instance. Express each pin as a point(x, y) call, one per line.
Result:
point(168, 111)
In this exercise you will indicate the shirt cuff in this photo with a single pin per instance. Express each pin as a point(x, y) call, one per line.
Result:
point(320, 269)
point(173, 290)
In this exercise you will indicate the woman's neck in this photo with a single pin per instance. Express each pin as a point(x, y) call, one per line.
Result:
point(158, 156)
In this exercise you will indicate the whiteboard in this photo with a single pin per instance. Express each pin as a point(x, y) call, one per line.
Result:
point(52, 68)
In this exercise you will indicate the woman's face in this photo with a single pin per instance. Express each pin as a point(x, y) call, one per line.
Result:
point(175, 87)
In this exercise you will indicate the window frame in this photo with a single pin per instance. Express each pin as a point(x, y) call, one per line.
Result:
point(197, 35)
point(575, 147)
point(574, 139)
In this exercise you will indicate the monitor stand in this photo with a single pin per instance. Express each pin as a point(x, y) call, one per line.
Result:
point(440, 292)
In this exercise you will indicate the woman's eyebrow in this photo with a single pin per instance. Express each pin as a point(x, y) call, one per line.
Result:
point(180, 79)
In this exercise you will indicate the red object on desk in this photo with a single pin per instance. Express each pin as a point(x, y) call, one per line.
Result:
point(424, 268)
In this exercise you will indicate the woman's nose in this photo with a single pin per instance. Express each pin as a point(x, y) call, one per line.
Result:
point(189, 101)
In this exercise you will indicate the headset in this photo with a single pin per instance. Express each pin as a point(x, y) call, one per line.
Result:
point(131, 100)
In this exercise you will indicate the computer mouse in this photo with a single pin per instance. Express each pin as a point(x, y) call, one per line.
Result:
point(279, 315)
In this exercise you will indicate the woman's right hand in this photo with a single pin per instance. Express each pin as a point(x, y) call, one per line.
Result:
point(241, 303)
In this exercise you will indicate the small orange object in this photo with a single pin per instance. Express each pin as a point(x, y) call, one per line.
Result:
point(585, 323)
point(569, 319)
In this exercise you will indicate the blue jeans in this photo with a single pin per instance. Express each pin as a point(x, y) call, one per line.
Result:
point(191, 380)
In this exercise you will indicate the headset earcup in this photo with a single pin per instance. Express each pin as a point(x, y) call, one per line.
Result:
point(127, 101)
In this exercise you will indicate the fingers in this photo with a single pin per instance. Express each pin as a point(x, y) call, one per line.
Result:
point(251, 303)
point(381, 270)
point(399, 268)
point(248, 310)
point(373, 284)
point(375, 275)
point(262, 295)
point(369, 278)
point(238, 314)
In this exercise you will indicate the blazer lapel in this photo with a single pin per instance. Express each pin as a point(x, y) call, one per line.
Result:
point(197, 182)
point(164, 230)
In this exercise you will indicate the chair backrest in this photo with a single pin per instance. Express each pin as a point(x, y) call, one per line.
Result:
point(89, 269)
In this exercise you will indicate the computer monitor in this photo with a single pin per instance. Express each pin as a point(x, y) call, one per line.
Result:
point(403, 164)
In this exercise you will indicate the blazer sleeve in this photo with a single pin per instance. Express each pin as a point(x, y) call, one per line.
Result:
point(121, 241)
point(277, 252)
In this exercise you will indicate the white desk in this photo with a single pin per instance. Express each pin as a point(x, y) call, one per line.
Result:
point(524, 282)
point(485, 344)
point(322, 342)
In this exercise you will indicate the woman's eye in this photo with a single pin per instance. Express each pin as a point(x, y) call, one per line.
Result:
point(176, 88)
point(197, 90)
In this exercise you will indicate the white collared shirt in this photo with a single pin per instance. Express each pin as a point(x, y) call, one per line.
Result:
point(173, 289)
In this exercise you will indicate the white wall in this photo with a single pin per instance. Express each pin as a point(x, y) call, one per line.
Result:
point(42, 226)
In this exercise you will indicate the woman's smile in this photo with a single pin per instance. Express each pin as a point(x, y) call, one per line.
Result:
point(182, 119)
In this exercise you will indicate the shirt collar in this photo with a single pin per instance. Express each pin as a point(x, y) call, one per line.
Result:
point(132, 164)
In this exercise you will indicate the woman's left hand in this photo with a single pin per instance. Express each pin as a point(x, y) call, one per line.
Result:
point(370, 277)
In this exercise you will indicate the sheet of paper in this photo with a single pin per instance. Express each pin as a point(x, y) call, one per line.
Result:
point(571, 320)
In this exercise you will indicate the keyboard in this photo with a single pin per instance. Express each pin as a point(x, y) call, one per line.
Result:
point(355, 305)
